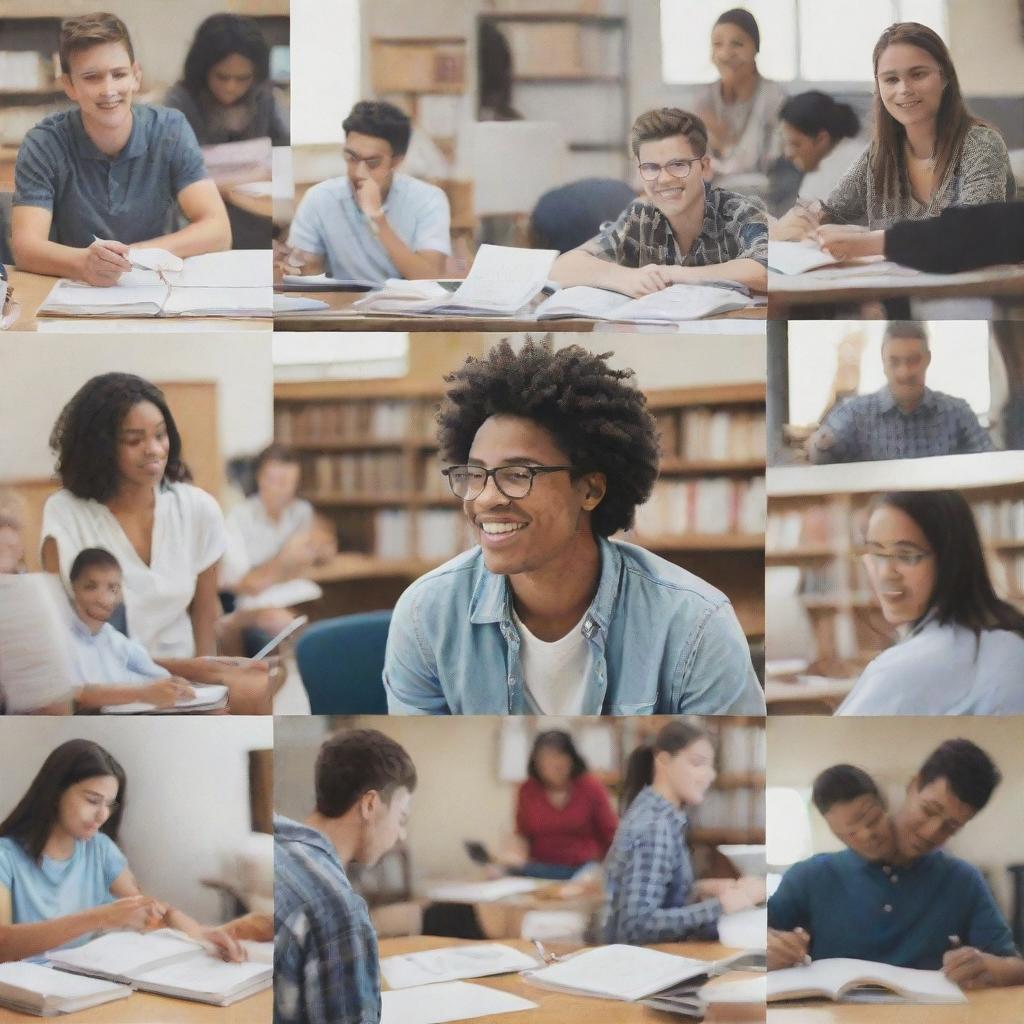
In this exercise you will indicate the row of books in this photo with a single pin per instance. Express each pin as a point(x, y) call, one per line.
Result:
point(356, 473)
point(1000, 520)
point(730, 808)
point(354, 421)
point(725, 435)
point(433, 534)
point(708, 505)
point(742, 749)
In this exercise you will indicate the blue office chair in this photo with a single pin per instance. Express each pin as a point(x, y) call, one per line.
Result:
point(341, 662)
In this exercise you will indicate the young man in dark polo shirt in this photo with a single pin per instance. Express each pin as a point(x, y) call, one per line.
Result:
point(94, 180)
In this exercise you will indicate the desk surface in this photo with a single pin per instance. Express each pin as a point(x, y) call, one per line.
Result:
point(30, 291)
point(560, 1007)
point(988, 1006)
point(142, 1006)
point(340, 317)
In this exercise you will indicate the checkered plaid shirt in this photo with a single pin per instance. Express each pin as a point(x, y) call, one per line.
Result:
point(649, 878)
point(735, 227)
point(870, 427)
point(326, 968)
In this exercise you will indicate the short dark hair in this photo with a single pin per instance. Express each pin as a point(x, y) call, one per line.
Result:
point(599, 420)
point(32, 820)
point(382, 120)
point(905, 329)
point(84, 438)
point(353, 763)
point(970, 772)
point(219, 36)
point(87, 558)
point(665, 122)
point(813, 111)
point(560, 741)
point(842, 783)
point(743, 20)
point(276, 453)
point(84, 31)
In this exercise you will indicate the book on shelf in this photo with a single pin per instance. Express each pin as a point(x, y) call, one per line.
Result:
point(705, 506)
point(848, 980)
point(819, 525)
point(45, 992)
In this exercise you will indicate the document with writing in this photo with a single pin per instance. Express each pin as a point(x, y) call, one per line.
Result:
point(449, 1001)
point(840, 979)
point(455, 963)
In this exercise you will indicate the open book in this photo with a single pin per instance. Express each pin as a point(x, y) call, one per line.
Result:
point(167, 962)
point(846, 980)
point(33, 988)
point(454, 963)
point(236, 283)
point(797, 257)
point(670, 305)
point(451, 1001)
point(208, 697)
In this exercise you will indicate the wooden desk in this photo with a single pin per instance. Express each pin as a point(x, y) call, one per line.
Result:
point(988, 1006)
point(341, 317)
point(142, 1006)
point(560, 1007)
point(30, 291)
point(787, 293)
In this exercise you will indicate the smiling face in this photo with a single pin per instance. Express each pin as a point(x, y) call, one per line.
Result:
point(142, 446)
point(805, 151)
point(900, 564)
point(671, 195)
point(732, 52)
point(85, 806)
point(863, 825)
point(97, 594)
point(688, 773)
point(910, 84)
point(386, 824)
point(231, 78)
point(102, 80)
point(930, 815)
point(520, 535)
point(905, 362)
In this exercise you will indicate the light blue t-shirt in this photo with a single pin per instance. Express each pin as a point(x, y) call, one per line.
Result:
point(110, 657)
point(329, 223)
point(57, 888)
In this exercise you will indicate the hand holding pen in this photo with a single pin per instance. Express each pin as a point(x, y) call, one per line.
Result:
point(966, 966)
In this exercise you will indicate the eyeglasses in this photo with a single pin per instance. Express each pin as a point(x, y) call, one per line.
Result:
point(468, 482)
point(903, 559)
point(354, 159)
point(677, 168)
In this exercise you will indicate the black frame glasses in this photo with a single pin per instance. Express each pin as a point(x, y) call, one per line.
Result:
point(653, 171)
point(476, 481)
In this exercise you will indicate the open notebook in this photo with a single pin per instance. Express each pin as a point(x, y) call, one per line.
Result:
point(208, 697)
point(453, 963)
point(670, 305)
point(236, 283)
point(847, 980)
point(166, 962)
point(33, 988)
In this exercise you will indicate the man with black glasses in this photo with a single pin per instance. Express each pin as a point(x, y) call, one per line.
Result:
point(684, 231)
point(551, 452)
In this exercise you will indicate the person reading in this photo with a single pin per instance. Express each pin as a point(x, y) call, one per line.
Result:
point(108, 174)
point(683, 231)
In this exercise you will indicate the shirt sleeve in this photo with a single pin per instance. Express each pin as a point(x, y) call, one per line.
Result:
point(410, 671)
point(840, 424)
point(433, 225)
point(607, 244)
point(984, 168)
point(972, 435)
point(36, 172)
point(789, 906)
point(307, 231)
point(987, 929)
point(751, 233)
point(960, 238)
point(186, 163)
point(847, 203)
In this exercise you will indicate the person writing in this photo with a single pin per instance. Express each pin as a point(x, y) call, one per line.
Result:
point(106, 175)
point(683, 231)
point(63, 877)
point(831, 904)
point(550, 453)
point(904, 419)
point(652, 895)
point(961, 647)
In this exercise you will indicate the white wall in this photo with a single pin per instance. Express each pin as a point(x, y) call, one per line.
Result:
point(42, 371)
point(674, 361)
point(987, 44)
point(187, 807)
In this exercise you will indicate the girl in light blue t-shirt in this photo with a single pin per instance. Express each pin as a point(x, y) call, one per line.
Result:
point(62, 876)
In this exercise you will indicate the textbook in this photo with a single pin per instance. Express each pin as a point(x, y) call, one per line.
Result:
point(166, 962)
point(235, 284)
point(846, 980)
point(797, 257)
point(455, 963)
point(208, 697)
point(33, 988)
point(450, 1001)
point(670, 305)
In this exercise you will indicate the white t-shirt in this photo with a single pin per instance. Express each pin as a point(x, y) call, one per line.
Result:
point(554, 674)
point(818, 183)
point(188, 537)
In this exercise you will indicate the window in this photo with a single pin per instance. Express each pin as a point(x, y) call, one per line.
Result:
point(798, 37)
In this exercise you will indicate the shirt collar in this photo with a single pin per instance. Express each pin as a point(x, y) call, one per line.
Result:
point(886, 402)
point(296, 832)
point(79, 628)
point(137, 144)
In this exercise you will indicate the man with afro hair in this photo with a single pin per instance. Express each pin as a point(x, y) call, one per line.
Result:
point(551, 452)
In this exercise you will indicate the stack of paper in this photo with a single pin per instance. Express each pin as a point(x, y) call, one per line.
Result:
point(208, 697)
point(33, 988)
point(456, 963)
point(676, 303)
point(438, 1004)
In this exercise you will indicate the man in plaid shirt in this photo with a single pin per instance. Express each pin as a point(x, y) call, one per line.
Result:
point(904, 419)
point(326, 967)
point(684, 231)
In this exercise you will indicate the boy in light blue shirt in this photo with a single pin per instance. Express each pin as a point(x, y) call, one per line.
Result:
point(374, 223)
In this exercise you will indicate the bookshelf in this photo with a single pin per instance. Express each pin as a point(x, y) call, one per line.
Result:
point(370, 464)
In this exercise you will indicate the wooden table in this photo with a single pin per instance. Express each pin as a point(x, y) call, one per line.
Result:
point(787, 293)
point(341, 317)
point(987, 1006)
point(560, 1007)
point(144, 1008)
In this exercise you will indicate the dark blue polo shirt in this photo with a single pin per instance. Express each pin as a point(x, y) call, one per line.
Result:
point(896, 915)
point(126, 197)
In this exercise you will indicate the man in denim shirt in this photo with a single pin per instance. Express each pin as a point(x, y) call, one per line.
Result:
point(551, 452)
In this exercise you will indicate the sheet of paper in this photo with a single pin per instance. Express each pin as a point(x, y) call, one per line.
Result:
point(796, 257)
point(49, 982)
point(206, 974)
point(207, 695)
point(297, 304)
point(119, 298)
point(455, 963)
point(503, 278)
point(124, 953)
point(237, 268)
point(747, 929)
point(450, 1001)
point(682, 302)
point(482, 892)
point(155, 259)
point(258, 952)
point(237, 301)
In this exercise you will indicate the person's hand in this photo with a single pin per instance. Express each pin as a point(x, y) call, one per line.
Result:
point(787, 949)
point(967, 967)
point(709, 887)
point(745, 892)
point(847, 241)
point(821, 440)
point(227, 948)
point(368, 198)
point(797, 224)
point(165, 693)
point(639, 281)
point(132, 913)
point(103, 263)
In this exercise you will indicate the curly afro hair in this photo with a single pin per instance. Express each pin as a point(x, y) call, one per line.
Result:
point(598, 419)
point(85, 436)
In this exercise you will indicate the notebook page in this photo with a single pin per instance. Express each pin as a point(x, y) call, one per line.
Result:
point(503, 278)
point(73, 297)
point(450, 1001)
point(682, 302)
point(206, 695)
point(581, 300)
point(221, 301)
point(205, 975)
point(796, 257)
point(454, 963)
point(125, 953)
point(238, 268)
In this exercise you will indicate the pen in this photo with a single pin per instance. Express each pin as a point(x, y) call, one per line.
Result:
point(954, 941)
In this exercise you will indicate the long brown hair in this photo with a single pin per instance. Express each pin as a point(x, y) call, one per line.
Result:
point(671, 738)
point(952, 122)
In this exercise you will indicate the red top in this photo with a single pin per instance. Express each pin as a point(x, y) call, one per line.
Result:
point(572, 835)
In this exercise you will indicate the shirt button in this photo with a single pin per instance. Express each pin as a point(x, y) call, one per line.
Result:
point(894, 879)
point(888, 908)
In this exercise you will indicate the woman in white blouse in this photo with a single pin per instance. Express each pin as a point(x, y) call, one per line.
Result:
point(126, 489)
point(961, 648)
